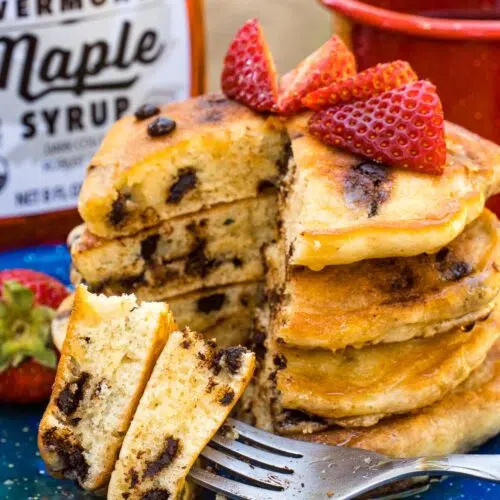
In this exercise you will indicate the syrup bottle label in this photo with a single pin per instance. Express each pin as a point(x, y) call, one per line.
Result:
point(68, 70)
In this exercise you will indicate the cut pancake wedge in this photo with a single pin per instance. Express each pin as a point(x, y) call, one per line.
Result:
point(219, 152)
point(188, 397)
point(341, 209)
point(110, 350)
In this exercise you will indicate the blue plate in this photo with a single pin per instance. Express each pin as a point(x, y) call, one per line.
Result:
point(22, 472)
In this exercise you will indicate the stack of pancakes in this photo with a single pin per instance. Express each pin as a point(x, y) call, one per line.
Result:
point(182, 217)
point(381, 329)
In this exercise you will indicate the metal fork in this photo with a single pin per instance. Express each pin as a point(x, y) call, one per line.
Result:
point(258, 465)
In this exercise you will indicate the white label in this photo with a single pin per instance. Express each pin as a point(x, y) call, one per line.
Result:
point(68, 70)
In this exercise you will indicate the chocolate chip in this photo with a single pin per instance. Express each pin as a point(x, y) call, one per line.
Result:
point(146, 111)
point(185, 182)
point(211, 303)
point(285, 156)
point(197, 262)
point(161, 126)
point(233, 358)
point(227, 398)
point(130, 282)
point(156, 494)
point(148, 246)
point(118, 209)
point(211, 385)
point(230, 358)
point(266, 186)
point(279, 361)
point(70, 454)
point(469, 327)
point(442, 254)
point(455, 271)
point(170, 451)
point(237, 262)
point(69, 398)
point(186, 344)
point(367, 185)
point(134, 478)
point(403, 281)
point(228, 221)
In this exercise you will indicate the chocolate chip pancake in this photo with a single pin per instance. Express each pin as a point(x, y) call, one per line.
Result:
point(111, 348)
point(225, 233)
point(387, 300)
point(358, 387)
point(219, 152)
point(191, 392)
point(340, 208)
point(464, 419)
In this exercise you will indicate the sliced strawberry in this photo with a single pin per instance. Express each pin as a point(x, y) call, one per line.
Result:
point(368, 83)
point(402, 127)
point(330, 63)
point(249, 75)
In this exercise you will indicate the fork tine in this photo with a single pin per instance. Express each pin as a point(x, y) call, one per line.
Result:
point(263, 478)
point(283, 446)
point(254, 456)
point(230, 488)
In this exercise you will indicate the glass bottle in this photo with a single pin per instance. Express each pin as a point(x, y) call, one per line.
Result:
point(68, 70)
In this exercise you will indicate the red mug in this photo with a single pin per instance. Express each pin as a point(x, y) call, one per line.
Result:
point(453, 43)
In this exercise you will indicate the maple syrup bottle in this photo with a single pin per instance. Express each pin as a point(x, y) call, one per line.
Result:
point(68, 70)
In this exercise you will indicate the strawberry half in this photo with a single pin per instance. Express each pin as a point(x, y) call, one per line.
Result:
point(249, 75)
point(28, 300)
point(368, 83)
point(402, 127)
point(332, 62)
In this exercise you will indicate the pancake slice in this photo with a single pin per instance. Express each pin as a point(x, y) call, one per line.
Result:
point(219, 152)
point(341, 209)
point(189, 395)
point(110, 350)
point(382, 380)
point(206, 240)
point(464, 419)
point(388, 300)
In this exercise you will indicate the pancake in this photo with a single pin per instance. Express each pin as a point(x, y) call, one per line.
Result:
point(223, 313)
point(464, 419)
point(219, 152)
point(223, 233)
point(378, 381)
point(388, 300)
point(232, 330)
point(340, 208)
point(179, 277)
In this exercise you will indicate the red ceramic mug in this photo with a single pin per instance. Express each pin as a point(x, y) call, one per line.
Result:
point(454, 43)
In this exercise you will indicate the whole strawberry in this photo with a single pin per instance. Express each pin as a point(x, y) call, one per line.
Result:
point(332, 62)
point(28, 300)
point(249, 75)
point(369, 83)
point(402, 127)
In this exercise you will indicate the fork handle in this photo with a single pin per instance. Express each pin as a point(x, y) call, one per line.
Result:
point(480, 466)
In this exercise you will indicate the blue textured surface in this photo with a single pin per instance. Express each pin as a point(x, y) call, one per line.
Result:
point(22, 472)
